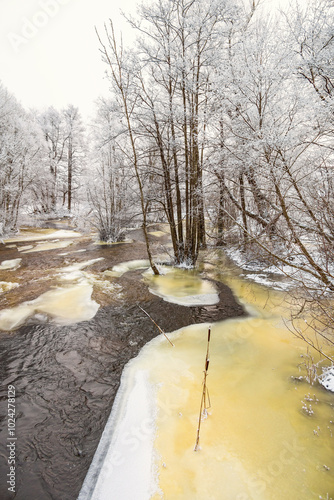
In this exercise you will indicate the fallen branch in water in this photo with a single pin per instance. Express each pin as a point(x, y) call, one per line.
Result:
point(160, 329)
point(203, 412)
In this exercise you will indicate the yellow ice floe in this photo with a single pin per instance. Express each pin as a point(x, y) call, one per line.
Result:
point(12, 264)
point(64, 305)
point(181, 287)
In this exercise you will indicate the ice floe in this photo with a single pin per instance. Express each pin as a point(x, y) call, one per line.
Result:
point(179, 287)
point(74, 251)
point(64, 305)
point(45, 234)
point(41, 247)
point(10, 264)
point(132, 265)
point(73, 272)
point(24, 248)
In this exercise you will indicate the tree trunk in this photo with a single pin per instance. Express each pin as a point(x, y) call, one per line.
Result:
point(69, 174)
point(243, 209)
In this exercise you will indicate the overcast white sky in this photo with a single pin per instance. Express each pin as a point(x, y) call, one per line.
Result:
point(49, 50)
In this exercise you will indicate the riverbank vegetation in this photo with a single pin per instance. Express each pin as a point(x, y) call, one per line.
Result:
point(219, 122)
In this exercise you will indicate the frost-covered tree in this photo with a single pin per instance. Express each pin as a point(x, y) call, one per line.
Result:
point(52, 124)
point(170, 70)
point(21, 151)
point(64, 134)
point(270, 150)
point(110, 188)
point(75, 152)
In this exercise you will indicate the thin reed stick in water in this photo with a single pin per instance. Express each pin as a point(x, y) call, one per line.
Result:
point(205, 400)
point(160, 329)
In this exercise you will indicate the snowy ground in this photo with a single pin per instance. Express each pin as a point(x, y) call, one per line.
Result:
point(271, 276)
point(327, 378)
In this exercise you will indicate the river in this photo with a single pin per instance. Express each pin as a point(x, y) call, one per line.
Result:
point(268, 433)
point(69, 324)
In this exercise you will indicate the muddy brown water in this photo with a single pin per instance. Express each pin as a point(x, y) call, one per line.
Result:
point(66, 377)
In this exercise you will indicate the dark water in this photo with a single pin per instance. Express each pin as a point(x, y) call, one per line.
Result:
point(65, 380)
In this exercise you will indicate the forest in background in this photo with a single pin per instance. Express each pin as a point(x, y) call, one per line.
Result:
point(219, 122)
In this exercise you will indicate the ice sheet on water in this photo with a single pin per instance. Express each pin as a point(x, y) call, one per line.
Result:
point(177, 286)
point(42, 247)
point(43, 235)
point(122, 465)
point(64, 305)
point(205, 299)
point(10, 264)
point(132, 265)
point(5, 286)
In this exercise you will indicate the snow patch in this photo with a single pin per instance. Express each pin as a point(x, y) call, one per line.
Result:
point(260, 273)
point(327, 378)
point(263, 279)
